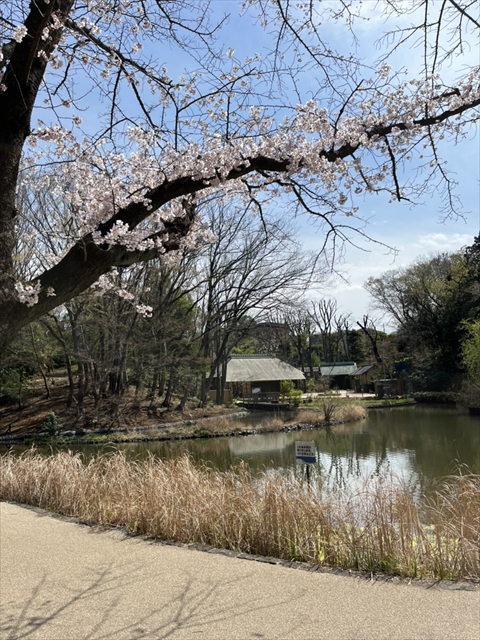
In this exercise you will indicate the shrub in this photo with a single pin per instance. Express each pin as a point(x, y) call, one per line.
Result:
point(470, 395)
point(53, 424)
point(295, 397)
point(435, 396)
point(286, 387)
point(7, 399)
point(270, 424)
point(330, 407)
point(350, 412)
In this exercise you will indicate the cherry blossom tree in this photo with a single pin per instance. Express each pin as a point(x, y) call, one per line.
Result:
point(133, 148)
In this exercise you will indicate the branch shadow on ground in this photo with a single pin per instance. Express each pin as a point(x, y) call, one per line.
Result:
point(104, 606)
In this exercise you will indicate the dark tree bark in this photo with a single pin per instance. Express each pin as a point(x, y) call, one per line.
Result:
point(369, 329)
point(40, 366)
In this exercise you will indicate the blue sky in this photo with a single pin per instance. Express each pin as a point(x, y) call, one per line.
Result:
point(414, 231)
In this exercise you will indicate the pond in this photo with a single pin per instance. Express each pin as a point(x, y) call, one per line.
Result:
point(419, 444)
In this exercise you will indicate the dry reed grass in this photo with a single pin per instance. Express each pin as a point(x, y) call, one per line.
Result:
point(350, 412)
point(336, 412)
point(216, 426)
point(224, 425)
point(309, 416)
point(378, 528)
point(220, 425)
point(270, 424)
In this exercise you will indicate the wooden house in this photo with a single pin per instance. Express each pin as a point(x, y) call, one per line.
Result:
point(364, 378)
point(339, 373)
point(258, 377)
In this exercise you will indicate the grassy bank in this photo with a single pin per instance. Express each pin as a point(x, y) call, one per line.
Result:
point(215, 426)
point(376, 529)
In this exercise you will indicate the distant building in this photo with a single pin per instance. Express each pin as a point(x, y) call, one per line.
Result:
point(272, 337)
point(258, 376)
point(364, 378)
point(389, 388)
point(339, 373)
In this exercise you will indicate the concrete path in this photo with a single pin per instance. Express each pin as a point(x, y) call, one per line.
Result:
point(61, 581)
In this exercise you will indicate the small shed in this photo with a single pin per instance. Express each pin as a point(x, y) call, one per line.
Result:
point(259, 376)
point(389, 388)
point(364, 378)
point(339, 373)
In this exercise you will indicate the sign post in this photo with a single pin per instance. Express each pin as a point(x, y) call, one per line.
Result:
point(305, 452)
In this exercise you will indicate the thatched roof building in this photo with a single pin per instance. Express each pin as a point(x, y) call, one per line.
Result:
point(257, 368)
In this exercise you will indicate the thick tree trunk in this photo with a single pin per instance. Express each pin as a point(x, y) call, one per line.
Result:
point(161, 383)
point(60, 337)
point(23, 77)
point(82, 372)
point(71, 385)
point(224, 380)
point(153, 386)
point(168, 396)
point(183, 401)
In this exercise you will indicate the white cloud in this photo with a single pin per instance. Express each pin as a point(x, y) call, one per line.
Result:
point(361, 265)
point(443, 242)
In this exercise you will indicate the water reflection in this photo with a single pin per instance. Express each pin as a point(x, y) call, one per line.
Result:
point(418, 444)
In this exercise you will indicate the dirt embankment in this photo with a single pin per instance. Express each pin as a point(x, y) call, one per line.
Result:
point(116, 413)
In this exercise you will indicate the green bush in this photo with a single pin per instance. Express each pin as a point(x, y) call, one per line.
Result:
point(295, 397)
point(7, 399)
point(286, 387)
point(52, 424)
point(435, 396)
point(469, 397)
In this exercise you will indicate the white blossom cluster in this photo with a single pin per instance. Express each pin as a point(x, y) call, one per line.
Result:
point(100, 182)
point(106, 284)
point(28, 294)
point(20, 33)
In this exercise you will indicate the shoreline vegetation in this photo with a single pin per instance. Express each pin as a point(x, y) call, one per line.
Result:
point(378, 527)
point(329, 412)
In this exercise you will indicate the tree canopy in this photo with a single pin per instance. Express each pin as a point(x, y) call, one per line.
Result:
point(131, 151)
point(432, 303)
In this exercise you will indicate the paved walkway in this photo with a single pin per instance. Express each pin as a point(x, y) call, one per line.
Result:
point(61, 581)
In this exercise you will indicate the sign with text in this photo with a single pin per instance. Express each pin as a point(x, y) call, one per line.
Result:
point(305, 452)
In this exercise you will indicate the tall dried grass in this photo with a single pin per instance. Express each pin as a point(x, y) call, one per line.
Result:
point(309, 416)
point(215, 426)
point(332, 412)
point(378, 528)
point(350, 412)
point(270, 424)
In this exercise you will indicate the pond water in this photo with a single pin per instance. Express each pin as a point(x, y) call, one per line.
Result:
point(419, 444)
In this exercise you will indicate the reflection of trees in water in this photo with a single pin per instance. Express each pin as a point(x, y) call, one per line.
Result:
point(436, 438)
point(353, 457)
point(420, 443)
point(344, 460)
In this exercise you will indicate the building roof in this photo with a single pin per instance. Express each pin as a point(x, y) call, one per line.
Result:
point(338, 368)
point(362, 370)
point(257, 368)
